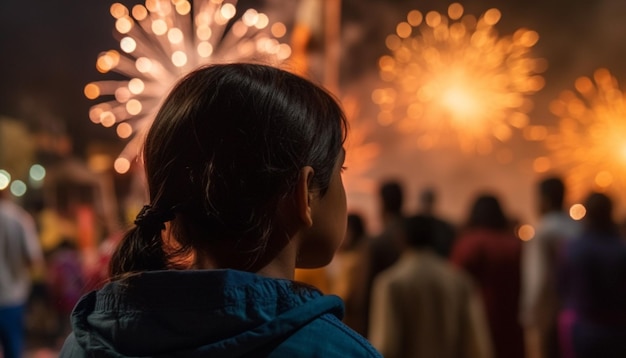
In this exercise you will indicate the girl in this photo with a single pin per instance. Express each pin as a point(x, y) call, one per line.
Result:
point(243, 164)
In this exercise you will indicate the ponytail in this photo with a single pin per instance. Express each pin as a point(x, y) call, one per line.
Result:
point(141, 249)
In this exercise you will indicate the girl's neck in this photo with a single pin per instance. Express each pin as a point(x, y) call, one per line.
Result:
point(282, 265)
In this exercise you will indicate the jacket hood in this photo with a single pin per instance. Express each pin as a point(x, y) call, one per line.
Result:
point(221, 313)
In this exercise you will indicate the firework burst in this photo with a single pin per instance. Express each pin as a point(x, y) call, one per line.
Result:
point(160, 43)
point(455, 81)
point(590, 143)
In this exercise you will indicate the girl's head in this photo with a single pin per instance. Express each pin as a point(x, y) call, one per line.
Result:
point(241, 159)
point(487, 213)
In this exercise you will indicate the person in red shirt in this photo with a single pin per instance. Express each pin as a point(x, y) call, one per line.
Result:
point(488, 250)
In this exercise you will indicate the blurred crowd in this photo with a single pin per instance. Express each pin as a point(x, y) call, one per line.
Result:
point(428, 287)
point(423, 286)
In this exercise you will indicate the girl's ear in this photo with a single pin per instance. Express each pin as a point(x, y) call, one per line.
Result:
point(303, 197)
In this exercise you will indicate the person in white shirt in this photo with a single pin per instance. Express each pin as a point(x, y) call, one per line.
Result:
point(20, 252)
point(422, 306)
point(539, 300)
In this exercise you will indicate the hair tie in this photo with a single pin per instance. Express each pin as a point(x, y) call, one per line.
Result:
point(150, 218)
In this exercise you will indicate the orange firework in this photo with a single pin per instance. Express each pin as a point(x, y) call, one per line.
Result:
point(590, 144)
point(455, 81)
point(161, 42)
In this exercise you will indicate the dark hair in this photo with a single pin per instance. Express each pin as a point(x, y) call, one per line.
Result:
point(486, 212)
point(552, 192)
point(599, 216)
point(392, 197)
point(225, 148)
point(419, 231)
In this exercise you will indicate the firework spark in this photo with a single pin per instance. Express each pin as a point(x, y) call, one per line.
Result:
point(454, 75)
point(590, 144)
point(160, 43)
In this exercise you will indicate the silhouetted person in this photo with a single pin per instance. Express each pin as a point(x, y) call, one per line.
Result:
point(383, 250)
point(490, 253)
point(593, 318)
point(66, 282)
point(20, 254)
point(444, 232)
point(422, 306)
point(540, 302)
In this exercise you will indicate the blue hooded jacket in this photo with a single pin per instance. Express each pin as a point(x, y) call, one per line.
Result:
point(210, 313)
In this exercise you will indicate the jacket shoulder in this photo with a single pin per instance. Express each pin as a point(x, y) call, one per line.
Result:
point(325, 336)
point(71, 348)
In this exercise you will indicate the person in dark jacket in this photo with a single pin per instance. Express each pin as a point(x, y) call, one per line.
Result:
point(243, 164)
point(592, 321)
point(383, 250)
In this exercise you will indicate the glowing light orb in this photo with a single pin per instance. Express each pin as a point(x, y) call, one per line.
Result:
point(37, 172)
point(577, 211)
point(455, 81)
point(589, 144)
point(18, 188)
point(121, 165)
point(526, 232)
point(163, 41)
point(5, 179)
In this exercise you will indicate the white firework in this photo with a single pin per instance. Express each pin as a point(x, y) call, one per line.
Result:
point(160, 43)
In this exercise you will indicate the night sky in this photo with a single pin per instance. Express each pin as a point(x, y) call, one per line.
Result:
point(48, 48)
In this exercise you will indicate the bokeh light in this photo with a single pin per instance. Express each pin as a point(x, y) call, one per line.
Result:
point(589, 143)
point(526, 232)
point(37, 172)
point(121, 165)
point(454, 81)
point(5, 179)
point(99, 163)
point(160, 43)
point(18, 188)
point(577, 211)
